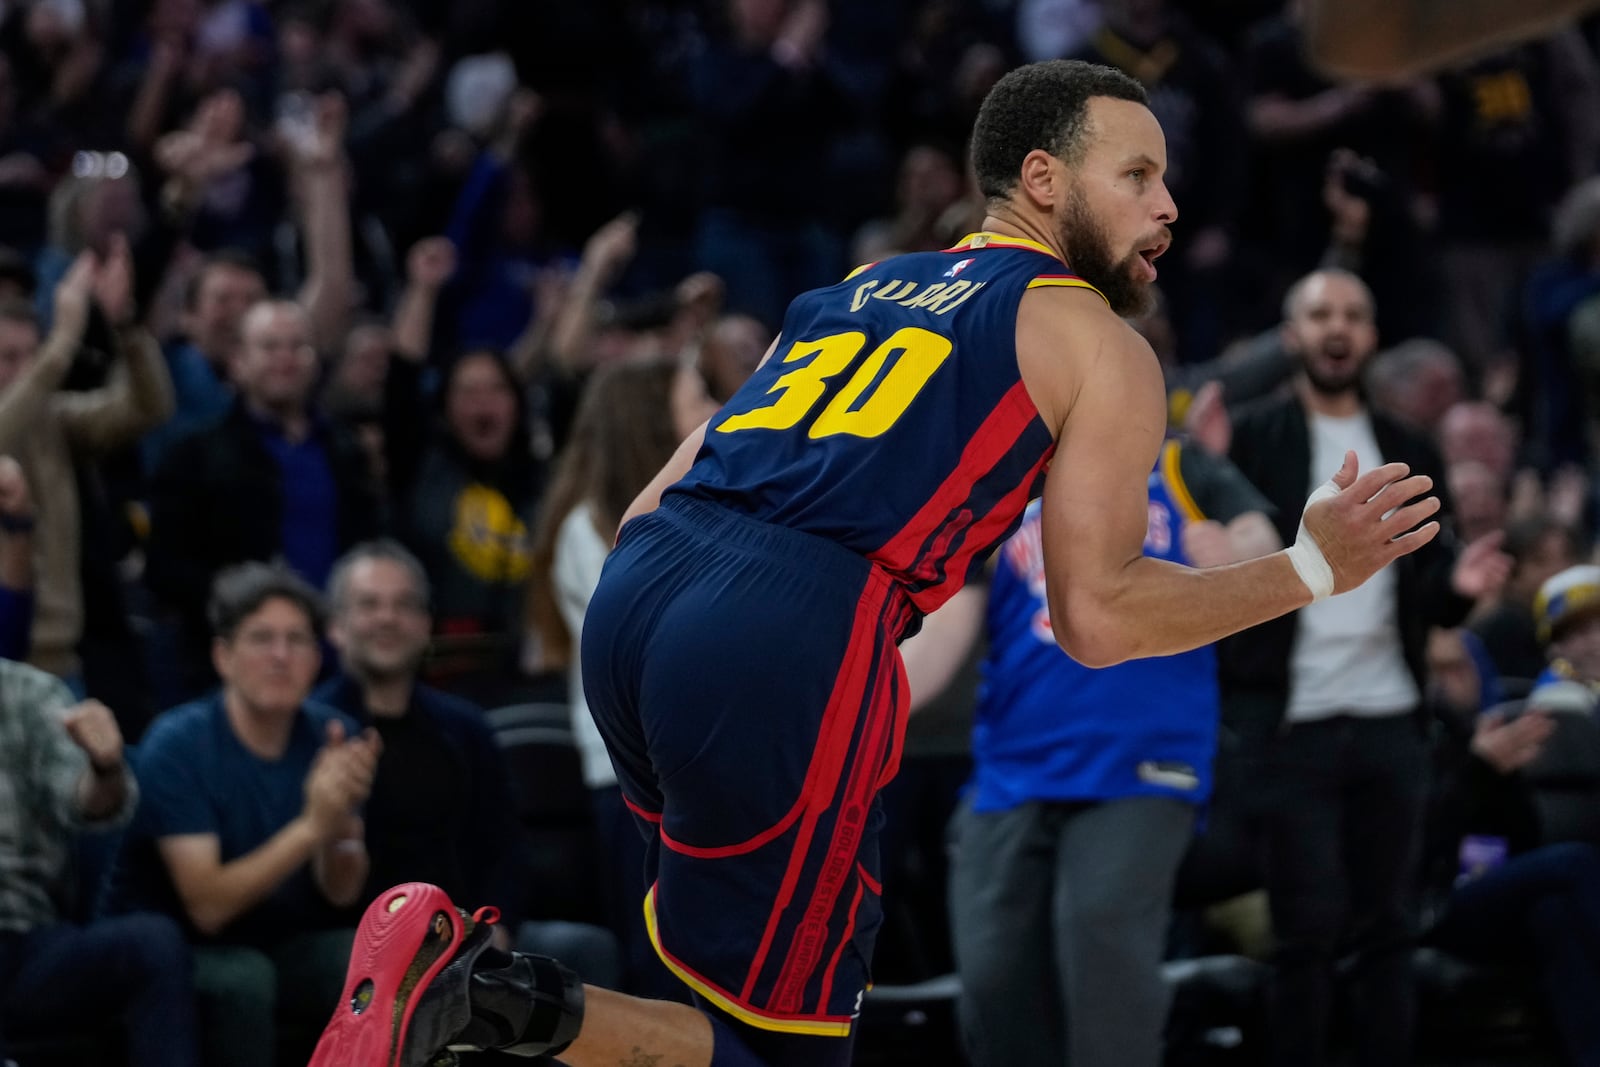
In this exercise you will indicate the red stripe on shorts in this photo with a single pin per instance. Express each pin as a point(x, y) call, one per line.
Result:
point(854, 803)
point(833, 748)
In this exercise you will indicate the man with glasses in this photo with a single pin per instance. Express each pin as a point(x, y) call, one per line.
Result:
point(250, 832)
point(441, 809)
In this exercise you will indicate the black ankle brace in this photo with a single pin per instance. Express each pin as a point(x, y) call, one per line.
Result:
point(522, 1004)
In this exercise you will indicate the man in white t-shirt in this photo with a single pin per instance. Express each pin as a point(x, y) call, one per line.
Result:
point(1325, 701)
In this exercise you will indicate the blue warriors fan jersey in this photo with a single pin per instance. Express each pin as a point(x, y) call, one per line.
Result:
point(892, 418)
point(1049, 728)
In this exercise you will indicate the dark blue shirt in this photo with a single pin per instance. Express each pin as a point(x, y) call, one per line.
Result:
point(196, 777)
point(310, 520)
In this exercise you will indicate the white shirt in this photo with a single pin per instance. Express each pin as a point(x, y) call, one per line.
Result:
point(1348, 658)
point(580, 552)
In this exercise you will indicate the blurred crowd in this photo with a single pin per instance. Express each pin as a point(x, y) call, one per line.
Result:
point(336, 336)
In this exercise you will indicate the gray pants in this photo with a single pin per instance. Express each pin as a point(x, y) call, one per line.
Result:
point(1059, 914)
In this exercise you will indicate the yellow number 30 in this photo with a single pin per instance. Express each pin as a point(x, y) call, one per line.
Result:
point(920, 352)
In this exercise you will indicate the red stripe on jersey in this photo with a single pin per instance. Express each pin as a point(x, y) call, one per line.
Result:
point(983, 533)
point(993, 439)
point(833, 749)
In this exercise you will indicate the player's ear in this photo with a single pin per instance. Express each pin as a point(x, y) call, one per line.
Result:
point(1042, 178)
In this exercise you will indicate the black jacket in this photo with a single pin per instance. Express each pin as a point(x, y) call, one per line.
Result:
point(1272, 446)
point(217, 499)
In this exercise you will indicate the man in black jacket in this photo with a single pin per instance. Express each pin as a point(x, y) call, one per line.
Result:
point(271, 480)
point(1325, 701)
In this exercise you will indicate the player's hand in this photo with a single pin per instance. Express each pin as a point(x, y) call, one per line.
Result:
point(1367, 521)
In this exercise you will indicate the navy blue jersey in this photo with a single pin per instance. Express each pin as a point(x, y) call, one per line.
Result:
point(892, 418)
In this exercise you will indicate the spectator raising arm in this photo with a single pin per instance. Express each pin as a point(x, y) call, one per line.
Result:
point(429, 266)
point(605, 256)
point(318, 172)
point(25, 402)
point(139, 396)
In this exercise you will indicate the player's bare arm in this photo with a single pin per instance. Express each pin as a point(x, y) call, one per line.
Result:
point(1099, 385)
point(649, 497)
point(1383, 39)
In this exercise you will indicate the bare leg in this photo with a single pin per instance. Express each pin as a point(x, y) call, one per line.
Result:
point(623, 1031)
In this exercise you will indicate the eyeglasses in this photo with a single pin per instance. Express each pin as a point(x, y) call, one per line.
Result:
point(368, 605)
point(293, 641)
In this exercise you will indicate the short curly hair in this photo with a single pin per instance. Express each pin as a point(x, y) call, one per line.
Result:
point(1041, 105)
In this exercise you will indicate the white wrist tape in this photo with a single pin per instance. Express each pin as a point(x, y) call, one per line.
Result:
point(1306, 555)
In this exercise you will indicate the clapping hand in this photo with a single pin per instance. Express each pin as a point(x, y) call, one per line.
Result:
point(113, 282)
point(340, 779)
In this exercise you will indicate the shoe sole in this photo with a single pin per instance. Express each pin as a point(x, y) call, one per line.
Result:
point(406, 937)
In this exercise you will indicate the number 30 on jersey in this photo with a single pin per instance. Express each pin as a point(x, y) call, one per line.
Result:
point(872, 399)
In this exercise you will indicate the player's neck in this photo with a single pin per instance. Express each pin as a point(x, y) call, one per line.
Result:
point(1012, 225)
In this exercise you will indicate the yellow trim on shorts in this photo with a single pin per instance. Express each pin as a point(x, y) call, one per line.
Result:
point(1172, 471)
point(722, 1000)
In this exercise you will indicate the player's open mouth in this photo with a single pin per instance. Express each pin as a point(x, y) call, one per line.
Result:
point(1150, 255)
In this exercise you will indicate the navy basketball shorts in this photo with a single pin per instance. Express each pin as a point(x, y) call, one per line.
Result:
point(747, 682)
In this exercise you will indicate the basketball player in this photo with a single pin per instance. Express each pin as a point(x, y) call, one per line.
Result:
point(740, 652)
point(1382, 39)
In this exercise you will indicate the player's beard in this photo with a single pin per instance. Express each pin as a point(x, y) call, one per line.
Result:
point(1090, 258)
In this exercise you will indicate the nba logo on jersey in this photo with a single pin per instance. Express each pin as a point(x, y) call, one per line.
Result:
point(957, 269)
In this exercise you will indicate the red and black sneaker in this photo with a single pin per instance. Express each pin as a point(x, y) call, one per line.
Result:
point(423, 980)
